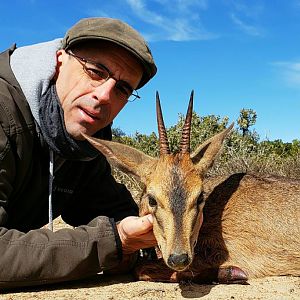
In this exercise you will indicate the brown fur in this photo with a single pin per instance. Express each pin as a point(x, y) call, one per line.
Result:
point(249, 222)
point(253, 223)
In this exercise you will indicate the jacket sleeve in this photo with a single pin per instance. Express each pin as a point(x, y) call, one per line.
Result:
point(40, 256)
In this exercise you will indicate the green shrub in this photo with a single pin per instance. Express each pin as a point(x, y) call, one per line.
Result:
point(242, 151)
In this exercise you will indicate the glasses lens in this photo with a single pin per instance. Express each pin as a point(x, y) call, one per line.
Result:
point(99, 74)
point(134, 96)
point(124, 90)
point(96, 72)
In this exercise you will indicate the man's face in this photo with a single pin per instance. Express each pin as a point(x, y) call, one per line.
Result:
point(88, 107)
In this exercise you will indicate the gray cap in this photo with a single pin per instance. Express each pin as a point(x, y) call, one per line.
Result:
point(115, 31)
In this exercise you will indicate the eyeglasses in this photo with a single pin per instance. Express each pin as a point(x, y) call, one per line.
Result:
point(98, 74)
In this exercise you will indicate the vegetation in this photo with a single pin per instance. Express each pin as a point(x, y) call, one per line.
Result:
point(242, 152)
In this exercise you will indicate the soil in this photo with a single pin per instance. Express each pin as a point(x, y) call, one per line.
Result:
point(125, 287)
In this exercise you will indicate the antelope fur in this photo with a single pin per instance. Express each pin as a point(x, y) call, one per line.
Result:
point(249, 222)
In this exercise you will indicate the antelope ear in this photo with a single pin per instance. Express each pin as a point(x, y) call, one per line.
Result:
point(123, 157)
point(204, 156)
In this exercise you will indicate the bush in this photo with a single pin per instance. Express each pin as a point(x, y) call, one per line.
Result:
point(242, 152)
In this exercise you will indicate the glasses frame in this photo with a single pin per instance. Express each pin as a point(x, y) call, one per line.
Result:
point(134, 94)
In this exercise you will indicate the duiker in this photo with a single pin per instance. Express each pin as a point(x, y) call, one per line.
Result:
point(251, 225)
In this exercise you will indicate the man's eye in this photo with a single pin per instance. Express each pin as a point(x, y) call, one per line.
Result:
point(96, 74)
point(124, 89)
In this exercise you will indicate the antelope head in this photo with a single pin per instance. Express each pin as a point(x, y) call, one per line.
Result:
point(173, 186)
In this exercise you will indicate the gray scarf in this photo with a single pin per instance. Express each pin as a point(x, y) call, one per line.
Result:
point(55, 133)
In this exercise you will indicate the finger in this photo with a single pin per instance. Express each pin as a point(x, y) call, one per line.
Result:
point(138, 225)
point(144, 224)
point(149, 238)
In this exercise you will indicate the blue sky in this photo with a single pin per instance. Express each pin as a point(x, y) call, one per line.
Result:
point(234, 53)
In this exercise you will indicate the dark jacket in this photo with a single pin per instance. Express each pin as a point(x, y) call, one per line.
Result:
point(84, 193)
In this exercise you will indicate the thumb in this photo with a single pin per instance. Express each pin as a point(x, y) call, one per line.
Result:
point(138, 225)
point(146, 223)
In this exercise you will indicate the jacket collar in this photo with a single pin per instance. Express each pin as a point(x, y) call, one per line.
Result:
point(6, 72)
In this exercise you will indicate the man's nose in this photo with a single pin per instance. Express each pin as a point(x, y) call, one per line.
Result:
point(105, 91)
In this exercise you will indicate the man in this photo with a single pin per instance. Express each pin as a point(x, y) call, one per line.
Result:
point(49, 94)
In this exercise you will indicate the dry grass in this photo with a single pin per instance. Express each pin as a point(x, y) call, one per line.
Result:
point(234, 163)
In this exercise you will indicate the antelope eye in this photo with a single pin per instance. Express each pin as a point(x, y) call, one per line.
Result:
point(152, 201)
point(200, 199)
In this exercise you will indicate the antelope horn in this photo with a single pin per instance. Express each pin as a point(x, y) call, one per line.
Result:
point(186, 130)
point(163, 140)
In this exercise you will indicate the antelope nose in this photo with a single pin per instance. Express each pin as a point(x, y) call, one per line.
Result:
point(178, 260)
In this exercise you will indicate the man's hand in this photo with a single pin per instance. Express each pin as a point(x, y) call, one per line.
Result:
point(136, 233)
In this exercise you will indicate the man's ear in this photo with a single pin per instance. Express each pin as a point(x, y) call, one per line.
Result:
point(59, 61)
point(61, 56)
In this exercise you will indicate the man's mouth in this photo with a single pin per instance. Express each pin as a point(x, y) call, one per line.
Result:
point(91, 114)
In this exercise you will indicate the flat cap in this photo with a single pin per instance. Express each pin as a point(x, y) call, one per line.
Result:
point(115, 31)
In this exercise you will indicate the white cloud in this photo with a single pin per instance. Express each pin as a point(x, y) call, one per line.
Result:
point(246, 15)
point(178, 22)
point(290, 72)
point(187, 5)
point(247, 28)
point(181, 20)
point(251, 9)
